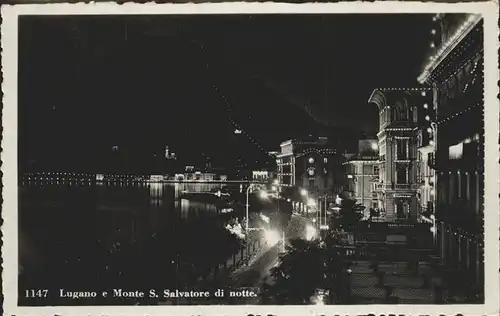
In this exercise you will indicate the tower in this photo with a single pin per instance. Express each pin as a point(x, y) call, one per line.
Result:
point(397, 142)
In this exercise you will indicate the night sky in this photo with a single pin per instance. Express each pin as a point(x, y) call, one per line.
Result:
point(89, 83)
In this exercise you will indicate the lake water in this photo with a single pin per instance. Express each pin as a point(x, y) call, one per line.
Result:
point(87, 236)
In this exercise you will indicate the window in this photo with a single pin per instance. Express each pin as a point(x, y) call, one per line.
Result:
point(401, 149)
point(375, 170)
point(325, 160)
point(401, 175)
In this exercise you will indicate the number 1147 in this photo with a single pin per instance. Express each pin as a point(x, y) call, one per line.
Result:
point(36, 293)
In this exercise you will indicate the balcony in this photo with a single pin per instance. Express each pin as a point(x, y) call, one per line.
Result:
point(431, 160)
point(406, 186)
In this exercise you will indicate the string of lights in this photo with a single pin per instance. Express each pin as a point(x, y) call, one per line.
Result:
point(238, 129)
point(448, 47)
point(317, 151)
point(460, 51)
point(459, 113)
point(464, 234)
point(463, 65)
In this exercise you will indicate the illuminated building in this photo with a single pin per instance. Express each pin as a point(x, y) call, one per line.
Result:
point(199, 176)
point(362, 172)
point(260, 175)
point(399, 121)
point(426, 179)
point(311, 165)
point(169, 155)
point(455, 73)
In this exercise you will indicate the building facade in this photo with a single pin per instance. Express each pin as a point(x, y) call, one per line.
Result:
point(426, 178)
point(455, 73)
point(362, 172)
point(261, 175)
point(399, 121)
point(311, 165)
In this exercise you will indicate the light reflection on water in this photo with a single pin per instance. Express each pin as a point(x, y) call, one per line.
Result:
point(75, 213)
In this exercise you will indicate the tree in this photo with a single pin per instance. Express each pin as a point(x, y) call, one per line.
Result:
point(336, 274)
point(308, 266)
point(348, 217)
point(299, 274)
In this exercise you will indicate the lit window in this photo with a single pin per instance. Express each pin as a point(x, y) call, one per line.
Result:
point(311, 160)
point(325, 160)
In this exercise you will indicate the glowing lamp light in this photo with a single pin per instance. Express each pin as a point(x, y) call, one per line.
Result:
point(432, 45)
point(265, 218)
point(288, 200)
point(433, 32)
point(423, 93)
point(338, 200)
point(276, 182)
point(237, 131)
point(427, 118)
point(303, 192)
point(310, 232)
point(272, 237)
point(319, 300)
point(429, 130)
point(263, 194)
point(426, 105)
point(311, 202)
point(432, 143)
point(374, 146)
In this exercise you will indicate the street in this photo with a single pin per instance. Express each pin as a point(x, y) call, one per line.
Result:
point(258, 270)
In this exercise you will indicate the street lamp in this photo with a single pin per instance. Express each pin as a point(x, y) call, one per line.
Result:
point(303, 192)
point(272, 237)
point(263, 194)
point(310, 232)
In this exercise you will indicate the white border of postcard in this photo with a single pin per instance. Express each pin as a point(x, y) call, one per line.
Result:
point(9, 30)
